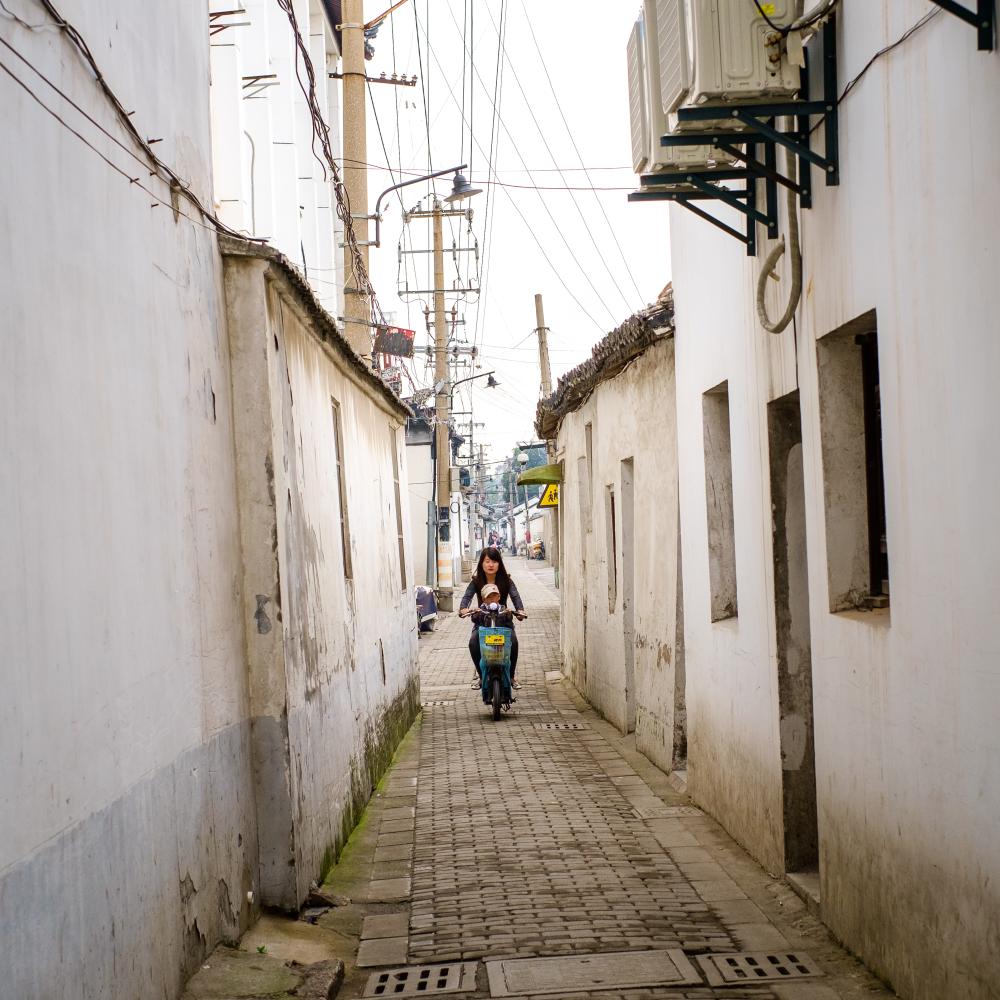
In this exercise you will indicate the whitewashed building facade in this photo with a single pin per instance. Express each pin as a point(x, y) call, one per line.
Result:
point(205, 562)
point(835, 487)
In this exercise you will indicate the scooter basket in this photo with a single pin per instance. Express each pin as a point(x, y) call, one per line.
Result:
point(494, 645)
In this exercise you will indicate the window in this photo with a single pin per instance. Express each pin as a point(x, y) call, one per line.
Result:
point(589, 435)
point(399, 508)
point(345, 527)
point(853, 471)
point(719, 502)
point(611, 531)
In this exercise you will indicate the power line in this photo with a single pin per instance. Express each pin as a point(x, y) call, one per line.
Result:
point(419, 171)
point(541, 198)
point(152, 163)
point(491, 164)
point(321, 135)
point(579, 155)
point(132, 180)
point(552, 156)
point(522, 216)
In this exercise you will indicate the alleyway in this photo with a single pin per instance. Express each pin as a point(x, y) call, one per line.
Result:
point(546, 835)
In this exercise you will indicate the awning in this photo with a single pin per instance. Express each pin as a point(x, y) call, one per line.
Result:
point(540, 475)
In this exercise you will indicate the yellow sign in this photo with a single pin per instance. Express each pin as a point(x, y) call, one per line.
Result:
point(494, 640)
point(550, 498)
point(768, 8)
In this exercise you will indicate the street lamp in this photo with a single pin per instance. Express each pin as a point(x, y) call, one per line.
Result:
point(491, 384)
point(522, 460)
point(460, 189)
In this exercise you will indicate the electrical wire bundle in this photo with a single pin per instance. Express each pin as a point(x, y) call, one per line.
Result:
point(321, 135)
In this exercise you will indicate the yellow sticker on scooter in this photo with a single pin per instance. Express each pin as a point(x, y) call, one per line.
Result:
point(494, 640)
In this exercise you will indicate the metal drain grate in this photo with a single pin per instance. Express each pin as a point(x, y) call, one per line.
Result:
point(436, 704)
point(559, 725)
point(422, 980)
point(757, 967)
point(521, 977)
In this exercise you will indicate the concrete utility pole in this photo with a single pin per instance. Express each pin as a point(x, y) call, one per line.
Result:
point(551, 518)
point(357, 309)
point(543, 347)
point(442, 410)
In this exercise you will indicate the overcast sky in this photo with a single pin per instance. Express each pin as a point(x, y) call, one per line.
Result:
point(557, 242)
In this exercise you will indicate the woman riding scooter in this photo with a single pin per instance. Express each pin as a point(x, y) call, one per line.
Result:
point(490, 570)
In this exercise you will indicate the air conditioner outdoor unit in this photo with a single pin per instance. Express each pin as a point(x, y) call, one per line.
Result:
point(715, 52)
point(646, 101)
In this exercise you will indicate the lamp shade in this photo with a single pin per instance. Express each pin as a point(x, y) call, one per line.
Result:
point(461, 189)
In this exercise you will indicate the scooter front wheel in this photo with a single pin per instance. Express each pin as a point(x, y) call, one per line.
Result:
point(496, 698)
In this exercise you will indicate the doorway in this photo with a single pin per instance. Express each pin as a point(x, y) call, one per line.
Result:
point(794, 655)
point(628, 588)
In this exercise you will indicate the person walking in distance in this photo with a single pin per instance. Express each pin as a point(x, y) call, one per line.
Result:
point(490, 570)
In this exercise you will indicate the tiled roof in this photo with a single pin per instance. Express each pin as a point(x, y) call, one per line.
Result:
point(608, 359)
point(325, 325)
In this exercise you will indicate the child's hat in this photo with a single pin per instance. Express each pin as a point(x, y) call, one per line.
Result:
point(491, 588)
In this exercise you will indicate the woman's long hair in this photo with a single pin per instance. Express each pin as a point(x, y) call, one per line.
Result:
point(502, 580)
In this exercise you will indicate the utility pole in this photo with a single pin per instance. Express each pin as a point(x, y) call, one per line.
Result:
point(551, 519)
point(442, 410)
point(357, 308)
point(543, 347)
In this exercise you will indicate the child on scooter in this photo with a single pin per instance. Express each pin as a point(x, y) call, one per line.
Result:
point(490, 608)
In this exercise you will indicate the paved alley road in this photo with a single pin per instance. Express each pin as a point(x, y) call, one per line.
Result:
point(544, 835)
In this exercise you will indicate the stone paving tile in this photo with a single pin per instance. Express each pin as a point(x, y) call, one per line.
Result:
point(388, 890)
point(381, 952)
point(386, 925)
point(521, 842)
point(526, 842)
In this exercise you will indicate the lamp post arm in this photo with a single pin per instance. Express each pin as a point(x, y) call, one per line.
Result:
point(455, 385)
point(402, 184)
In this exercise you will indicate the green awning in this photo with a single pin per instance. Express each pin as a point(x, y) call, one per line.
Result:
point(540, 475)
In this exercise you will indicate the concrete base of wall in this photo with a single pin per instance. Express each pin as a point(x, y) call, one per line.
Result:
point(138, 893)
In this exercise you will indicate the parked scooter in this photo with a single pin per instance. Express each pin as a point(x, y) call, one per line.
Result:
point(426, 609)
point(496, 636)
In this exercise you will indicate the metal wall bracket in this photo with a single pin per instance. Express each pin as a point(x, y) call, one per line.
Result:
point(687, 187)
point(753, 143)
point(983, 19)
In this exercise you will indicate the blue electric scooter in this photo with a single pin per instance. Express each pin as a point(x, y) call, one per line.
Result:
point(496, 638)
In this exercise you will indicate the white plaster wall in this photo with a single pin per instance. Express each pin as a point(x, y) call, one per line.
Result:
point(127, 841)
point(345, 713)
point(906, 740)
point(420, 477)
point(593, 639)
point(268, 182)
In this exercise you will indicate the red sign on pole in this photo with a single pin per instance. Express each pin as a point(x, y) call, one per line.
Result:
point(394, 340)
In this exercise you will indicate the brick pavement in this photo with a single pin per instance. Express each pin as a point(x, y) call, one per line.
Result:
point(508, 840)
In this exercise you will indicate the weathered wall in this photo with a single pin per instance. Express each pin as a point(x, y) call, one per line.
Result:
point(332, 658)
point(594, 654)
point(904, 699)
point(420, 479)
point(268, 182)
point(127, 834)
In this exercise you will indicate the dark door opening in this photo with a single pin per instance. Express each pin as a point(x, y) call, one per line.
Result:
point(791, 613)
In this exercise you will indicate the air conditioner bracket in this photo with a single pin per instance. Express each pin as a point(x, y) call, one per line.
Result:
point(983, 19)
point(753, 143)
point(689, 186)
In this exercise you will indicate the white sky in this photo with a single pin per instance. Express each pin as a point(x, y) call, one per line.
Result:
point(583, 46)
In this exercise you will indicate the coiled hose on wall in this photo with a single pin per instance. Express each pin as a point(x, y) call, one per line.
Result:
point(777, 252)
